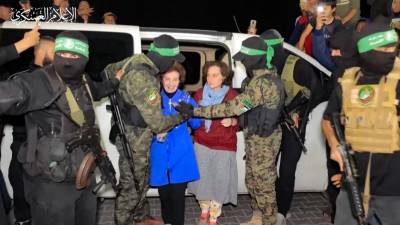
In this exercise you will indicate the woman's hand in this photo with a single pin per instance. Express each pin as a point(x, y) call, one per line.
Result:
point(227, 122)
point(161, 137)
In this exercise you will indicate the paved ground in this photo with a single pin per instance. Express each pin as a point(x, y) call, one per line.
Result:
point(307, 209)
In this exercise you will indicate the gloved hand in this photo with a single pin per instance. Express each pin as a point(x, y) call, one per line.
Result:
point(185, 109)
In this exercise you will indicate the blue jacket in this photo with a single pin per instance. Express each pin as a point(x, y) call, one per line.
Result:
point(175, 156)
point(321, 51)
point(320, 48)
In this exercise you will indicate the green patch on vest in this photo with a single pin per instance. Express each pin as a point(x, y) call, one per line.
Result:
point(366, 94)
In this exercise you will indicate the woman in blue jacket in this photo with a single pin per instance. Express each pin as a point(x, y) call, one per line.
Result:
point(172, 158)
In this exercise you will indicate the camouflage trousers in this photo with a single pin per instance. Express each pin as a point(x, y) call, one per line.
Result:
point(261, 173)
point(131, 205)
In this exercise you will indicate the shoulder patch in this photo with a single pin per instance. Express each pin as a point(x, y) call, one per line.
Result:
point(152, 96)
point(246, 105)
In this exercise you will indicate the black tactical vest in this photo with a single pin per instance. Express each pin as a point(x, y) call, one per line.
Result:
point(50, 128)
point(262, 121)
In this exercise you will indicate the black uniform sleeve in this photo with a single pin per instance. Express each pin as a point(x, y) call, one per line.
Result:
point(103, 88)
point(27, 92)
point(305, 75)
point(8, 53)
point(334, 104)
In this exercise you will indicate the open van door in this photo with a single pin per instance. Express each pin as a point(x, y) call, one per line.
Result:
point(107, 44)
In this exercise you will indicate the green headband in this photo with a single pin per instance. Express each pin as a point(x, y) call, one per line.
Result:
point(164, 51)
point(270, 49)
point(251, 51)
point(256, 52)
point(71, 45)
point(272, 42)
point(376, 40)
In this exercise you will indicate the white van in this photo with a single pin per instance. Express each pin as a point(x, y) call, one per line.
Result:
point(111, 43)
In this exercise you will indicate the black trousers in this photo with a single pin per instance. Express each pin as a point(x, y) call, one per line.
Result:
point(332, 190)
point(290, 151)
point(172, 198)
point(60, 203)
point(3, 215)
point(15, 175)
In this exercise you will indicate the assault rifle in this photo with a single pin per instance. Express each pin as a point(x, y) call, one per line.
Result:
point(350, 172)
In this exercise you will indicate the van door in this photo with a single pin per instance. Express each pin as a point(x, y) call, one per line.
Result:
point(107, 44)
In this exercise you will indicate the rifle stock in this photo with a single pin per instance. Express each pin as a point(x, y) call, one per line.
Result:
point(350, 172)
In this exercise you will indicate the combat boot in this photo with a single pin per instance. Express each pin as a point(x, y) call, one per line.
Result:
point(256, 219)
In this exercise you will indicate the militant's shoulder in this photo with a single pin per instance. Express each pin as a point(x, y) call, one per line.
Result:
point(264, 80)
point(140, 62)
point(39, 84)
point(34, 76)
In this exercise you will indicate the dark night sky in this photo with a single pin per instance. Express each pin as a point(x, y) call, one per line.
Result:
point(195, 14)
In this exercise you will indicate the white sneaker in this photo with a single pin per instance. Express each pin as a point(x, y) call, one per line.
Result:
point(280, 219)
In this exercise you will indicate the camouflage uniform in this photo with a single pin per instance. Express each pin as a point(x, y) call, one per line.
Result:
point(260, 151)
point(140, 88)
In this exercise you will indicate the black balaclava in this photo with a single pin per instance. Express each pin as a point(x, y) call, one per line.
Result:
point(375, 63)
point(252, 55)
point(279, 58)
point(164, 51)
point(71, 69)
point(343, 39)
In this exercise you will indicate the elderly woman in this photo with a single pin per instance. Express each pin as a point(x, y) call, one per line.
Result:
point(215, 145)
point(172, 157)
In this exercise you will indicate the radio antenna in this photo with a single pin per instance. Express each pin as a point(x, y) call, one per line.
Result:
point(237, 26)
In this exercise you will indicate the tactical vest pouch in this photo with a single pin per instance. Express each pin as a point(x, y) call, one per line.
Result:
point(52, 155)
point(31, 168)
point(52, 160)
point(130, 114)
point(370, 113)
point(262, 121)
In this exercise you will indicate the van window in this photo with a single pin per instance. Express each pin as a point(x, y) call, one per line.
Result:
point(193, 66)
point(104, 48)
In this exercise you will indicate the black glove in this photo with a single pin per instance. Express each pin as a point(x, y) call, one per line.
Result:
point(185, 109)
